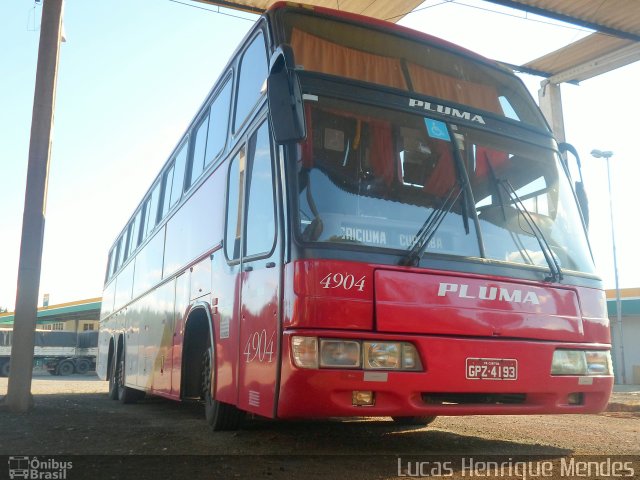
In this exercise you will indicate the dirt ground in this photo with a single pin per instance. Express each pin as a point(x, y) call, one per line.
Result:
point(73, 419)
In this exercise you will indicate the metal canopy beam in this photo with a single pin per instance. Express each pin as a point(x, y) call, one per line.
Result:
point(584, 59)
point(598, 66)
point(557, 14)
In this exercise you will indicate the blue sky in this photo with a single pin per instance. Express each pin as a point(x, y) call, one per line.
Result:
point(133, 73)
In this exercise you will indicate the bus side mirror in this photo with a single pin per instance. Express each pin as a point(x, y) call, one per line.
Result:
point(581, 193)
point(286, 110)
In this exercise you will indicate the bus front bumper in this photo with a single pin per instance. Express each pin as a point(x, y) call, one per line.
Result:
point(444, 386)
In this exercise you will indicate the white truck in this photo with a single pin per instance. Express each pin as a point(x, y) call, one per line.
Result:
point(59, 352)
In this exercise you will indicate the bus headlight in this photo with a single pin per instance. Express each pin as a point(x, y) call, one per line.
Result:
point(305, 351)
point(581, 362)
point(382, 355)
point(339, 353)
point(410, 357)
point(391, 356)
point(599, 362)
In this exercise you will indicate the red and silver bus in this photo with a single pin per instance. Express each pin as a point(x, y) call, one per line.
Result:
point(361, 220)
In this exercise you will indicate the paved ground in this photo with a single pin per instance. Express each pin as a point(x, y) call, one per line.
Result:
point(73, 416)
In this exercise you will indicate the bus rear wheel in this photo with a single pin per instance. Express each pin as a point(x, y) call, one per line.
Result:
point(113, 379)
point(413, 421)
point(125, 394)
point(219, 415)
point(117, 389)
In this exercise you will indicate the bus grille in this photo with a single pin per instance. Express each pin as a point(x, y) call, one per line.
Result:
point(440, 398)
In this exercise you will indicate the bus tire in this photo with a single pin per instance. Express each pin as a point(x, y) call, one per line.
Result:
point(65, 368)
point(126, 394)
point(413, 421)
point(5, 368)
point(83, 366)
point(113, 378)
point(220, 416)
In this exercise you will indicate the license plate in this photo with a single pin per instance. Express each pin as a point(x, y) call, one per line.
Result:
point(492, 369)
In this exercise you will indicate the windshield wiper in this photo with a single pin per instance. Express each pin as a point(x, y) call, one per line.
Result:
point(430, 227)
point(552, 261)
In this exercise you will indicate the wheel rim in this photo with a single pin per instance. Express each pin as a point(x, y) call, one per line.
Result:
point(83, 367)
point(206, 377)
point(120, 375)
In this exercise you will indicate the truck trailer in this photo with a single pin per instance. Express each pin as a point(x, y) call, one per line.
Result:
point(59, 352)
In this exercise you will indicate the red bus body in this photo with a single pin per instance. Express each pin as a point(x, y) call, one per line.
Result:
point(486, 333)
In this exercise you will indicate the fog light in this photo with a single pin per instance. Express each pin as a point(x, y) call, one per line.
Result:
point(363, 398)
point(575, 398)
point(305, 351)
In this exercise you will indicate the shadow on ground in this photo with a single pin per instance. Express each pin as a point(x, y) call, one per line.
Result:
point(91, 424)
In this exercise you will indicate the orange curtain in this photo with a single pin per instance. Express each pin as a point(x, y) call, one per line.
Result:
point(488, 158)
point(446, 87)
point(320, 55)
point(382, 155)
point(443, 175)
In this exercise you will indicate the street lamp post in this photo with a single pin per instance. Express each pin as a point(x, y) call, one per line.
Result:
point(607, 155)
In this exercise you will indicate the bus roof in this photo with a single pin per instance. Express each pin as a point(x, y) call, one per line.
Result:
point(394, 27)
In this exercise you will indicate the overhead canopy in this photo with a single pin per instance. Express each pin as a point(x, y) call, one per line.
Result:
point(391, 11)
point(616, 42)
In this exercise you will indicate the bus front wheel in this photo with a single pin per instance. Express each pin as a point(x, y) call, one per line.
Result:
point(219, 415)
point(413, 421)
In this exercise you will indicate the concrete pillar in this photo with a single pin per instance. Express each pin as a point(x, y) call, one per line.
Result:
point(550, 100)
point(19, 389)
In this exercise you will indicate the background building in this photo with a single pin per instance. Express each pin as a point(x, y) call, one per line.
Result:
point(630, 301)
point(78, 316)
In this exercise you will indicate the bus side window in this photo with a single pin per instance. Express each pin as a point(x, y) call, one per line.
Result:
point(110, 263)
point(252, 79)
point(178, 175)
point(118, 250)
point(152, 210)
point(167, 183)
point(235, 198)
point(199, 147)
point(135, 232)
point(126, 241)
point(144, 219)
point(218, 124)
point(260, 226)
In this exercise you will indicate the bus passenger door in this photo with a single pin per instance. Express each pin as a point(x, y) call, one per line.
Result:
point(260, 281)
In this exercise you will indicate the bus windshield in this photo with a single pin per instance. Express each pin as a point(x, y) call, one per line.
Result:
point(362, 53)
point(371, 177)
